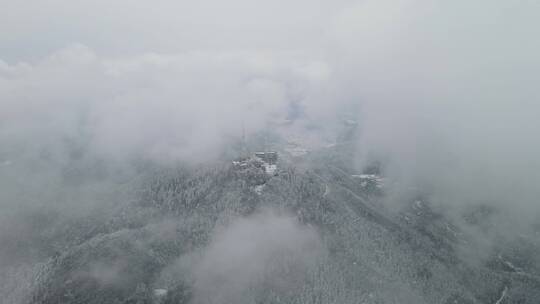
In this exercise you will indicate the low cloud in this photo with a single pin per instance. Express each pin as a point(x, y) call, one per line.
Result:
point(448, 98)
point(447, 93)
point(160, 107)
point(265, 251)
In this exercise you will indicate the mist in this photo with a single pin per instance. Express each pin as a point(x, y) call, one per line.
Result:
point(267, 250)
point(449, 100)
point(445, 96)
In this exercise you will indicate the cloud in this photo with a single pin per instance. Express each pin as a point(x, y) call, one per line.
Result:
point(447, 91)
point(162, 107)
point(263, 251)
point(448, 96)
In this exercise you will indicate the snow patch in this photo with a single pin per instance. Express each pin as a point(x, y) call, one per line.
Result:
point(259, 189)
point(365, 179)
point(160, 292)
point(270, 169)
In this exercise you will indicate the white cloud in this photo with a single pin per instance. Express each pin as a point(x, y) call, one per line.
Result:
point(447, 90)
point(265, 250)
point(164, 107)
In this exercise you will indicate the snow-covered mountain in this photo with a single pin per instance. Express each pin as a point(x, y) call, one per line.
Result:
point(313, 231)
